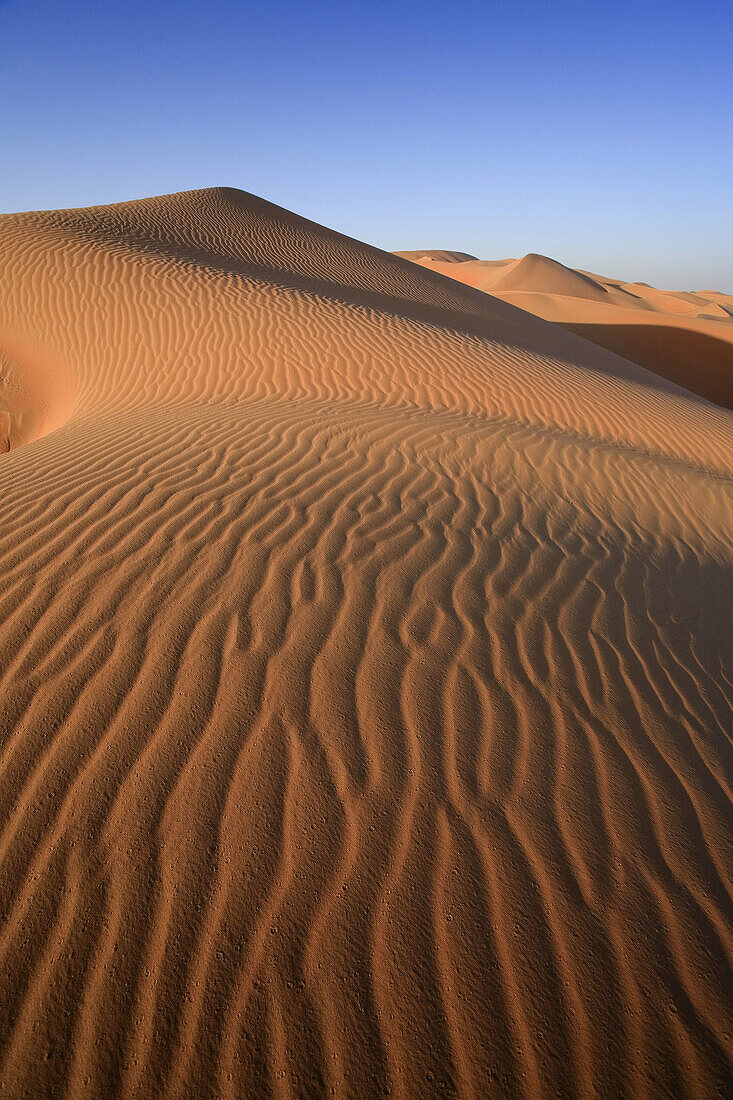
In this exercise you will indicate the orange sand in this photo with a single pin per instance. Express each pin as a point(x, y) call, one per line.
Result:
point(365, 703)
point(685, 337)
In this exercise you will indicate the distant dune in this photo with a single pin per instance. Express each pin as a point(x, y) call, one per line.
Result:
point(544, 276)
point(677, 334)
point(365, 673)
point(440, 255)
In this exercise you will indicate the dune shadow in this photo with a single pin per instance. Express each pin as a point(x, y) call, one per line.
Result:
point(691, 359)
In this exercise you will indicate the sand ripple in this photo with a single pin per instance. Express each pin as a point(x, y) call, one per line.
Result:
point(366, 680)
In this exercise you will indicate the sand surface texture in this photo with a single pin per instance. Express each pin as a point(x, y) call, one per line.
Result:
point(365, 679)
point(686, 337)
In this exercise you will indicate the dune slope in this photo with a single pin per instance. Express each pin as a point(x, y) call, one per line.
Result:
point(365, 679)
point(697, 360)
point(541, 274)
point(683, 336)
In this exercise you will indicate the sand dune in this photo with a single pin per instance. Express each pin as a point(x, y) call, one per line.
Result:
point(365, 679)
point(540, 274)
point(691, 358)
point(439, 254)
point(676, 334)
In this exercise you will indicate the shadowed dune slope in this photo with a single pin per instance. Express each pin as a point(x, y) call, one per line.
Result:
point(365, 678)
point(692, 359)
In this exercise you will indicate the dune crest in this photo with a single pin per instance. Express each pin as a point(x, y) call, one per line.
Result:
point(365, 678)
point(539, 274)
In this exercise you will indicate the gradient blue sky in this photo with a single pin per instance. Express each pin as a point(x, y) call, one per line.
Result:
point(600, 133)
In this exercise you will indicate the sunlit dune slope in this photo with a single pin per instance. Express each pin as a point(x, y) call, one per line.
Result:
point(364, 678)
point(542, 275)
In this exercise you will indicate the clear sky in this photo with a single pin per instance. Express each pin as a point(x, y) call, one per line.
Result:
point(600, 133)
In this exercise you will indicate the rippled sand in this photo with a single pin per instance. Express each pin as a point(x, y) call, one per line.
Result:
point(365, 661)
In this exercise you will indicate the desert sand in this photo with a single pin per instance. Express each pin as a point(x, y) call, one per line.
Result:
point(365, 657)
point(686, 337)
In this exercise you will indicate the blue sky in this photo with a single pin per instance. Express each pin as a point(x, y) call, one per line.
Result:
point(600, 133)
